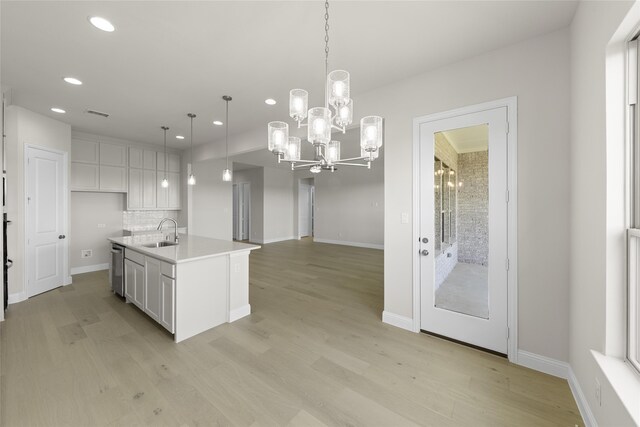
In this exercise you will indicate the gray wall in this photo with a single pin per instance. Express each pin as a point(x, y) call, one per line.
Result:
point(211, 210)
point(473, 208)
point(278, 205)
point(598, 245)
point(87, 211)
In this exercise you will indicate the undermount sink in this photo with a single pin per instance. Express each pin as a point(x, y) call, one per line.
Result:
point(161, 244)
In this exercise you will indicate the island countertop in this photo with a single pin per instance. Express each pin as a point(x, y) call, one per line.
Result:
point(190, 247)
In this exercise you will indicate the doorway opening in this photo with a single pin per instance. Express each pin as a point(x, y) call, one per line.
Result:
point(306, 203)
point(464, 280)
point(241, 211)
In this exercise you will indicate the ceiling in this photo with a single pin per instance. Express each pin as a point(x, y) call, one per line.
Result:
point(166, 59)
point(469, 139)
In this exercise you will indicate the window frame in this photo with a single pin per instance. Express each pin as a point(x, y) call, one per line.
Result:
point(633, 224)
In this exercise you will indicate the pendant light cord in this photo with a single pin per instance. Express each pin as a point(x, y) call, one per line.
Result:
point(191, 116)
point(226, 128)
point(165, 129)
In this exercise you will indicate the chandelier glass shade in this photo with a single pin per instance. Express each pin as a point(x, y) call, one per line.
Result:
point(336, 114)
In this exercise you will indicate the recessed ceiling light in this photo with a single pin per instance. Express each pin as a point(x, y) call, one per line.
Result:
point(58, 110)
point(217, 122)
point(270, 101)
point(101, 24)
point(73, 81)
point(179, 137)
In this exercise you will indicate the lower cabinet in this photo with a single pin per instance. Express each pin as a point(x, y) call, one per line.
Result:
point(134, 282)
point(152, 288)
point(167, 293)
point(148, 288)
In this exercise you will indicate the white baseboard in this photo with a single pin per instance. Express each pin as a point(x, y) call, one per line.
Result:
point(89, 268)
point(544, 364)
point(239, 313)
point(397, 320)
point(345, 243)
point(581, 401)
point(17, 297)
point(277, 239)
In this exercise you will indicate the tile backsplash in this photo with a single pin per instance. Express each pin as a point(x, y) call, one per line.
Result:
point(145, 220)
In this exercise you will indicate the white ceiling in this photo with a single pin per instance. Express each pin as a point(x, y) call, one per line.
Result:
point(166, 59)
point(469, 139)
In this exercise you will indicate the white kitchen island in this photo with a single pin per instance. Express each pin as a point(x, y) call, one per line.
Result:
point(190, 287)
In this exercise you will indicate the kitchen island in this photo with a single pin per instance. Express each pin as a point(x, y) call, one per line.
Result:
point(188, 287)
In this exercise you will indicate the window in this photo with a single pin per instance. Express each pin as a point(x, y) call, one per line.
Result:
point(633, 232)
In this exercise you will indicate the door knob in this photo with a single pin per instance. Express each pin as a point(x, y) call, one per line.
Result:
point(62, 236)
point(424, 252)
point(425, 240)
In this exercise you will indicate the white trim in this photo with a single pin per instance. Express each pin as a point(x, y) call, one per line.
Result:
point(65, 203)
point(581, 400)
point(239, 313)
point(511, 104)
point(397, 320)
point(17, 297)
point(544, 364)
point(89, 268)
point(345, 243)
point(277, 239)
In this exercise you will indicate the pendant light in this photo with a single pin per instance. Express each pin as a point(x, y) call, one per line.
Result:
point(337, 114)
point(226, 174)
point(165, 181)
point(192, 177)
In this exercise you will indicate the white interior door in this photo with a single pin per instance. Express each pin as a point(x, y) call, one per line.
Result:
point(236, 231)
point(304, 210)
point(45, 225)
point(246, 210)
point(461, 297)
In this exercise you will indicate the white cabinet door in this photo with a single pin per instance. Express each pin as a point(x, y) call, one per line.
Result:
point(167, 313)
point(84, 151)
point(113, 154)
point(113, 178)
point(174, 190)
point(134, 195)
point(129, 280)
point(149, 160)
point(84, 176)
point(162, 200)
point(134, 282)
point(152, 288)
point(148, 189)
point(174, 163)
point(138, 298)
point(135, 157)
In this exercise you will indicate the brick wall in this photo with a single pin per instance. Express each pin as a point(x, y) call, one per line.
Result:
point(473, 208)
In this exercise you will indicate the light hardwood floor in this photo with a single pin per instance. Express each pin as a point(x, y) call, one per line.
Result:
point(313, 352)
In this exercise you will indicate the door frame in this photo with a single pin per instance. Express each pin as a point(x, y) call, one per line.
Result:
point(238, 185)
point(65, 215)
point(511, 104)
point(311, 207)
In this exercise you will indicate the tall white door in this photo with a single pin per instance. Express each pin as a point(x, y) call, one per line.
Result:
point(45, 225)
point(463, 228)
point(241, 210)
point(304, 209)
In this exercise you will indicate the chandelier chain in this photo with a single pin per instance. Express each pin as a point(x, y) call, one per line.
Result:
point(326, 37)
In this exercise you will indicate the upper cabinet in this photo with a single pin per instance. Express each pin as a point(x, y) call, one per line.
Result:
point(112, 167)
point(98, 166)
point(113, 155)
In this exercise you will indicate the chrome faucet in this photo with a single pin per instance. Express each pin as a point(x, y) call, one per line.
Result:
point(175, 226)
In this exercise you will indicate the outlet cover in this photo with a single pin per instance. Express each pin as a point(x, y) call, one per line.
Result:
point(86, 253)
point(102, 225)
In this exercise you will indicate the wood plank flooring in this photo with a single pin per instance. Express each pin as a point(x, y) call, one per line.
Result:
point(314, 352)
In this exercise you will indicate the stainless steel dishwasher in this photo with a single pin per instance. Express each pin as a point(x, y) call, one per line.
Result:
point(117, 269)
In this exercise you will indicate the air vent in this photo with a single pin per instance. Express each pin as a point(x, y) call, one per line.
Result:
point(98, 113)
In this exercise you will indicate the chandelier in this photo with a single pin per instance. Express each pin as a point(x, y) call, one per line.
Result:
point(337, 114)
